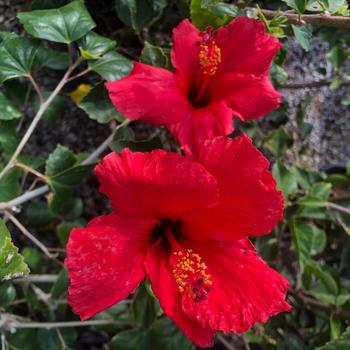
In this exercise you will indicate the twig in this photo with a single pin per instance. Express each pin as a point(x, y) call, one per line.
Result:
point(31, 237)
point(43, 189)
point(36, 88)
point(315, 19)
point(338, 207)
point(246, 344)
point(8, 321)
point(37, 118)
point(104, 145)
point(24, 197)
point(313, 303)
point(37, 279)
point(312, 84)
point(3, 341)
point(225, 343)
point(85, 71)
point(32, 171)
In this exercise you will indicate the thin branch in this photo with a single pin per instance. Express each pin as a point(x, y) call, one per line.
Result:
point(32, 171)
point(36, 119)
point(36, 279)
point(310, 302)
point(246, 344)
point(36, 88)
point(312, 84)
point(85, 71)
point(43, 189)
point(24, 197)
point(104, 145)
point(41, 246)
point(320, 19)
point(338, 207)
point(8, 321)
point(3, 341)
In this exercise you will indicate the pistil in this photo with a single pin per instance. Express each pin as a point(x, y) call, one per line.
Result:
point(189, 271)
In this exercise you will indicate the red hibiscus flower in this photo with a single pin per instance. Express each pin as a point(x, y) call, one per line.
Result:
point(218, 74)
point(184, 224)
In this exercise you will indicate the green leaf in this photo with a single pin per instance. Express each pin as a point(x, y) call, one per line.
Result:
point(23, 339)
point(325, 277)
point(154, 56)
point(12, 264)
point(298, 5)
point(49, 339)
point(111, 66)
point(307, 240)
point(98, 105)
point(33, 258)
point(64, 228)
point(335, 326)
point(38, 214)
point(135, 13)
point(336, 56)
point(305, 178)
point(335, 7)
point(65, 182)
point(7, 293)
point(59, 288)
point(202, 16)
point(341, 343)
point(278, 74)
point(52, 112)
point(278, 142)
point(8, 137)
point(321, 190)
point(285, 178)
point(93, 46)
point(303, 36)
point(9, 185)
point(59, 160)
point(7, 110)
point(51, 58)
point(121, 137)
point(63, 25)
point(144, 307)
point(163, 335)
point(17, 55)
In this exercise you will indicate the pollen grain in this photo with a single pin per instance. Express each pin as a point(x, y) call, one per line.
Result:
point(209, 53)
point(191, 274)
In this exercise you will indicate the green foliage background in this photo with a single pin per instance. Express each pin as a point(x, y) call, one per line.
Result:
point(40, 198)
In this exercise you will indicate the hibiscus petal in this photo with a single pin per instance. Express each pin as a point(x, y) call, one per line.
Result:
point(157, 184)
point(184, 54)
point(249, 203)
point(105, 261)
point(151, 94)
point(248, 95)
point(246, 47)
point(203, 124)
point(165, 288)
point(244, 290)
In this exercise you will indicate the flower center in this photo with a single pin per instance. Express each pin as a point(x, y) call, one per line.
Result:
point(189, 271)
point(191, 274)
point(209, 53)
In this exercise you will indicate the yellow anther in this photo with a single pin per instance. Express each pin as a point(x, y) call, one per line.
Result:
point(191, 274)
